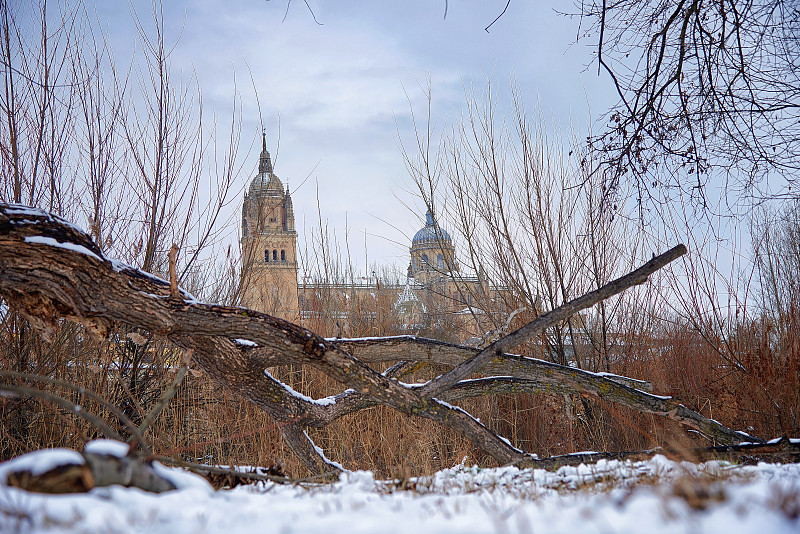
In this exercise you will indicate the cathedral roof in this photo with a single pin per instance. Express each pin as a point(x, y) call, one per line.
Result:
point(266, 185)
point(431, 232)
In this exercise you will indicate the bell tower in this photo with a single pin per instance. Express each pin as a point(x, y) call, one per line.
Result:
point(269, 244)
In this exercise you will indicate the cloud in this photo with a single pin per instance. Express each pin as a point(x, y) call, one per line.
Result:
point(342, 74)
point(342, 90)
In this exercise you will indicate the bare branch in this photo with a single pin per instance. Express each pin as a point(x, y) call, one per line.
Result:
point(639, 276)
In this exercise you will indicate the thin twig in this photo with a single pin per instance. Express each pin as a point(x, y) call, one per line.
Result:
point(130, 425)
point(64, 403)
point(168, 394)
point(498, 16)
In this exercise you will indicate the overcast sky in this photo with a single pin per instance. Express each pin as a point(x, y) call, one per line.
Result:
point(342, 87)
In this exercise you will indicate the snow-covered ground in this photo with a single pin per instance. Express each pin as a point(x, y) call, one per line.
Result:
point(658, 495)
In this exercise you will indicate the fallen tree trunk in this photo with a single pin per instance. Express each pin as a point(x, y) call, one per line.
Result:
point(51, 270)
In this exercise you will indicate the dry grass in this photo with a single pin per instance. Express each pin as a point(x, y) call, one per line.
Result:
point(205, 423)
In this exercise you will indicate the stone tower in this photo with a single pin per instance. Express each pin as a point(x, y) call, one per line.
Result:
point(432, 253)
point(269, 245)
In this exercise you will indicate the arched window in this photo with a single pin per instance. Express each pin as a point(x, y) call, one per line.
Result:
point(283, 255)
point(425, 259)
point(440, 261)
point(266, 256)
point(274, 255)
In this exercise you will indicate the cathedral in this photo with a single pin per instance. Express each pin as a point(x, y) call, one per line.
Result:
point(434, 294)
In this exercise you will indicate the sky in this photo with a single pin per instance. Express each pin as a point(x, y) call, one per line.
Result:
point(336, 88)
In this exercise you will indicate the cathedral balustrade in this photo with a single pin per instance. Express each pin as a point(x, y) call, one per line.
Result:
point(275, 265)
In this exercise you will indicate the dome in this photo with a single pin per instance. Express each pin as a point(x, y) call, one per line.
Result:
point(431, 232)
point(266, 184)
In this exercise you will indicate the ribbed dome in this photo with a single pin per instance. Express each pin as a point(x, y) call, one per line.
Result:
point(266, 184)
point(431, 232)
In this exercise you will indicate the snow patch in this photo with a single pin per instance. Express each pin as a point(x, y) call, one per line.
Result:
point(42, 240)
point(368, 338)
point(326, 401)
point(108, 447)
point(322, 454)
point(21, 209)
point(183, 480)
point(412, 385)
point(609, 496)
point(122, 267)
point(458, 408)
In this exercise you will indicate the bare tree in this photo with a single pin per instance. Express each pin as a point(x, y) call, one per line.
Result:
point(98, 140)
point(235, 346)
point(165, 142)
point(79, 139)
point(776, 234)
point(528, 212)
point(36, 48)
point(707, 88)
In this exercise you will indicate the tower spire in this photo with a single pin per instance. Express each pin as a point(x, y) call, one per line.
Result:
point(264, 161)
